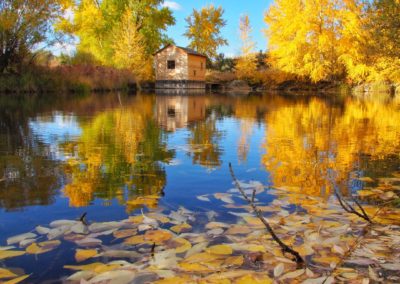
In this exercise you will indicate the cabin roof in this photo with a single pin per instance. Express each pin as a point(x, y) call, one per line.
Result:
point(185, 49)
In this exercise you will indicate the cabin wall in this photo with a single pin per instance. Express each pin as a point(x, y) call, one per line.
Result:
point(196, 68)
point(181, 64)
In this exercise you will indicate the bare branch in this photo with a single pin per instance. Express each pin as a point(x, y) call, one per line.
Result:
point(350, 209)
point(285, 248)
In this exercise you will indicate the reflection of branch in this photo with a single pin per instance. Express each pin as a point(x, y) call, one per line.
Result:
point(348, 208)
point(284, 247)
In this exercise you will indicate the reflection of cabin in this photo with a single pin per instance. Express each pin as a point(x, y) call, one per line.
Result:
point(175, 112)
point(179, 67)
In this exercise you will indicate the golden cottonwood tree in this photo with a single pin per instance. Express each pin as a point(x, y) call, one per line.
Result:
point(204, 30)
point(304, 36)
point(129, 48)
point(247, 63)
point(372, 50)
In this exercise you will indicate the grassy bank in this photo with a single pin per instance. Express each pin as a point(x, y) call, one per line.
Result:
point(66, 78)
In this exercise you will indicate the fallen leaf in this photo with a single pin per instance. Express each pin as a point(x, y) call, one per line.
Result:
point(84, 254)
point(219, 249)
point(10, 253)
point(278, 270)
point(5, 273)
point(181, 228)
point(203, 198)
point(157, 236)
point(20, 238)
point(16, 280)
point(293, 274)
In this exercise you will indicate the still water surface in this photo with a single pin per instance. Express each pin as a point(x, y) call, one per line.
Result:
point(61, 157)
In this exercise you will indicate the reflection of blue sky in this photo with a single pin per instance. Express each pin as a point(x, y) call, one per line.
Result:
point(55, 129)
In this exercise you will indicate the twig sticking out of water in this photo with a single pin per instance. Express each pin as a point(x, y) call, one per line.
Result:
point(350, 209)
point(83, 218)
point(285, 248)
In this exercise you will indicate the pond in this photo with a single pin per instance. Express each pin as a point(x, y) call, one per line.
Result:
point(100, 154)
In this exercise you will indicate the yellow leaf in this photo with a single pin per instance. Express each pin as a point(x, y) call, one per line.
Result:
point(202, 257)
point(10, 253)
point(219, 249)
point(182, 227)
point(136, 219)
point(157, 236)
point(121, 234)
point(238, 229)
point(193, 267)
point(5, 273)
point(250, 279)
point(83, 254)
point(184, 245)
point(87, 267)
point(172, 280)
point(253, 221)
point(136, 240)
point(16, 280)
point(234, 260)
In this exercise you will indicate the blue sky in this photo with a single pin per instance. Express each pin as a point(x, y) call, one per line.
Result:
point(233, 9)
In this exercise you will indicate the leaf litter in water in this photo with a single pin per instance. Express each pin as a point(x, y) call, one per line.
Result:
point(173, 247)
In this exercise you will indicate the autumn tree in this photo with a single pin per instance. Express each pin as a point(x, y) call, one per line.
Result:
point(204, 30)
point(129, 48)
point(372, 50)
point(95, 23)
point(304, 36)
point(24, 25)
point(247, 62)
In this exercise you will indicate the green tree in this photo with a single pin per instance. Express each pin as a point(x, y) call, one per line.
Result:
point(24, 24)
point(204, 30)
point(95, 23)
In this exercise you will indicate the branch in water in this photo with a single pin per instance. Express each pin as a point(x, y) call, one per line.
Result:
point(285, 248)
point(350, 209)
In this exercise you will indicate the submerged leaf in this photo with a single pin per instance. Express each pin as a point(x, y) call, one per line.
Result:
point(83, 254)
point(219, 249)
point(5, 273)
point(10, 253)
point(16, 280)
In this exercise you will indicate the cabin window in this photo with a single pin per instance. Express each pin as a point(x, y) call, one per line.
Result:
point(171, 64)
point(194, 73)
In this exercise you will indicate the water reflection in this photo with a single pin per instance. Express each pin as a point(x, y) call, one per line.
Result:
point(119, 147)
point(312, 146)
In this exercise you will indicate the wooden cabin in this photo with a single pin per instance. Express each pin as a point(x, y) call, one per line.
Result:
point(179, 68)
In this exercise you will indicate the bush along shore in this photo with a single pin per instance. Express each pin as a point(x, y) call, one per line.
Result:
point(67, 79)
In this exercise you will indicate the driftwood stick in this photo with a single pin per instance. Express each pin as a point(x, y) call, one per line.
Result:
point(285, 248)
point(253, 196)
point(350, 209)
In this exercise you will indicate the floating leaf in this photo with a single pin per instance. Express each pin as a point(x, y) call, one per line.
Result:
point(5, 273)
point(203, 198)
point(181, 228)
point(81, 275)
point(234, 260)
point(20, 238)
point(251, 279)
point(278, 270)
point(157, 236)
point(83, 254)
point(16, 280)
point(193, 267)
point(182, 245)
point(116, 276)
point(293, 274)
point(121, 234)
point(220, 249)
point(10, 253)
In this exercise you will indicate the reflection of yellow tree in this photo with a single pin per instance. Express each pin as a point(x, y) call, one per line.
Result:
point(246, 129)
point(204, 143)
point(308, 145)
point(119, 151)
